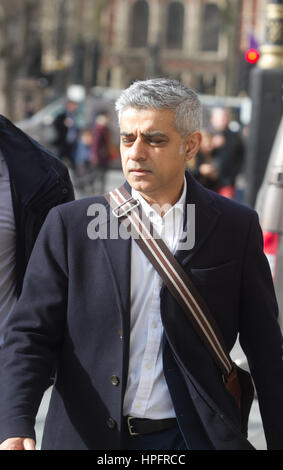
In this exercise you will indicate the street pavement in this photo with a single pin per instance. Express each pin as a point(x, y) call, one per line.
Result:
point(114, 179)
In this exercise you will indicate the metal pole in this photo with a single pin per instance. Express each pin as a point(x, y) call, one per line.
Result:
point(266, 92)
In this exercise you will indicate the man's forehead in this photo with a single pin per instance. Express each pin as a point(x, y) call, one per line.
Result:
point(149, 118)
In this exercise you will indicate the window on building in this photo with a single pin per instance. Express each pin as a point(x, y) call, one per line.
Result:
point(139, 24)
point(175, 25)
point(207, 84)
point(211, 25)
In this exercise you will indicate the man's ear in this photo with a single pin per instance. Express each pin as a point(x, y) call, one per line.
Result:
point(192, 144)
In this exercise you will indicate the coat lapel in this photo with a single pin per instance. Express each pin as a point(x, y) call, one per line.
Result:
point(206, 217)
point(118, 253)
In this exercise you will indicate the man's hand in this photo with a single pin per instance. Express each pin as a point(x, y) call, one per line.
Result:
point(18, 443)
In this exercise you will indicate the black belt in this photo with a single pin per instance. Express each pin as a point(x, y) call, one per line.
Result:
point(138, 426)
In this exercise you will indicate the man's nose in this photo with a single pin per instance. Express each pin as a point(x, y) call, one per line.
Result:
point(137, 151)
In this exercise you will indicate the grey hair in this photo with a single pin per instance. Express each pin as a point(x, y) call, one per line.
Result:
point(163, 93)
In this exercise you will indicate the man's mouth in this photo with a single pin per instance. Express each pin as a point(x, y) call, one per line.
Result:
point(139, 170)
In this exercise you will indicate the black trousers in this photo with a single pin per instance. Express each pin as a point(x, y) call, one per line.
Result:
point(169, 439)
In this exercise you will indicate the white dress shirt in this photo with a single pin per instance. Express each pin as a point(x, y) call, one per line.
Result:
point(147, 393)
point(8, 295)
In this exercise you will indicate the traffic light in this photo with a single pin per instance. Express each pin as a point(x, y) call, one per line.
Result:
point(247, 61)
point(252, 56)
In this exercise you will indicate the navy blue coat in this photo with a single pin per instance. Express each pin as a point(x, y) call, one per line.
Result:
point(39, 181)
point(75, 309)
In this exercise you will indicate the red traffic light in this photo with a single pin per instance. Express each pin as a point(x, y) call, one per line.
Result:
point(252, 56)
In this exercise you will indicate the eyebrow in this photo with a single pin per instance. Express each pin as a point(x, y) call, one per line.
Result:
point(146, 134)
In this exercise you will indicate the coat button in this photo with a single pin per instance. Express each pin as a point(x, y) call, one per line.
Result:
point(111, 423)
point(115, 380)
point(65, 190)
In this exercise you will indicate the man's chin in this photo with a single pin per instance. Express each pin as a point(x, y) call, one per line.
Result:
point(139, 183)
point(140, 187)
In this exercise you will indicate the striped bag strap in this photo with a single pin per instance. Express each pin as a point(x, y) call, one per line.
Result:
point(174, 277)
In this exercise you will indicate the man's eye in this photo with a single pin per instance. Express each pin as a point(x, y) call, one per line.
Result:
point(127, 140)
point(157, 141)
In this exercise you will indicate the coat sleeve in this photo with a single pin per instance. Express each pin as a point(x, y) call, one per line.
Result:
point(34, 332)
point(260, 336)
point(70, 195)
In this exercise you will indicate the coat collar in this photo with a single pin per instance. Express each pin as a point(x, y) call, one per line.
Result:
point(22, 155)
point(206, 216)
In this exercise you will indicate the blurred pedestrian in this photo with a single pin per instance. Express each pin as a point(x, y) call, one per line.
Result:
point(101, 147)
point(203, 168)
point(82, 153)
point(67, 133)
point(132, 373)
point(32, 181)
point(228, 151)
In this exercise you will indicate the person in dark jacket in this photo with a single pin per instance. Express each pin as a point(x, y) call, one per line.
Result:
point(32, 181)
point(228, 151)
point(203, 168)
point(67, 133)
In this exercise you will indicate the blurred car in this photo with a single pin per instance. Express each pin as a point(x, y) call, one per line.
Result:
point(40, 125)
point(269, 205)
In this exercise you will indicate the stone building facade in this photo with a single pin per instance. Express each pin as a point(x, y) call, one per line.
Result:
point(113, 42)
point(197, 41)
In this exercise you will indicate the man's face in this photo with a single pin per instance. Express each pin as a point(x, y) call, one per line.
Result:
point(220, 119)
point(153, 153)
point(72, 106)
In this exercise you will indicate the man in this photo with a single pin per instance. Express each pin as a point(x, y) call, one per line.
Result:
point(131, 371)
point(32, 181)
point(228, 151)
point(67, 132)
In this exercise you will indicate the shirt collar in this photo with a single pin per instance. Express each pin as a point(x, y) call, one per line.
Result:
point(150, 212)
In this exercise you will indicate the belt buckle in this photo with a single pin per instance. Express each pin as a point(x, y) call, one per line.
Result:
point(135, 203)
point(130, 426)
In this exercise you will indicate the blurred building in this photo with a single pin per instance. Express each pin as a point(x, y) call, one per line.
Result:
point(46, 45)
point(70, 38)
point(201, 42)
point(20, 55)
